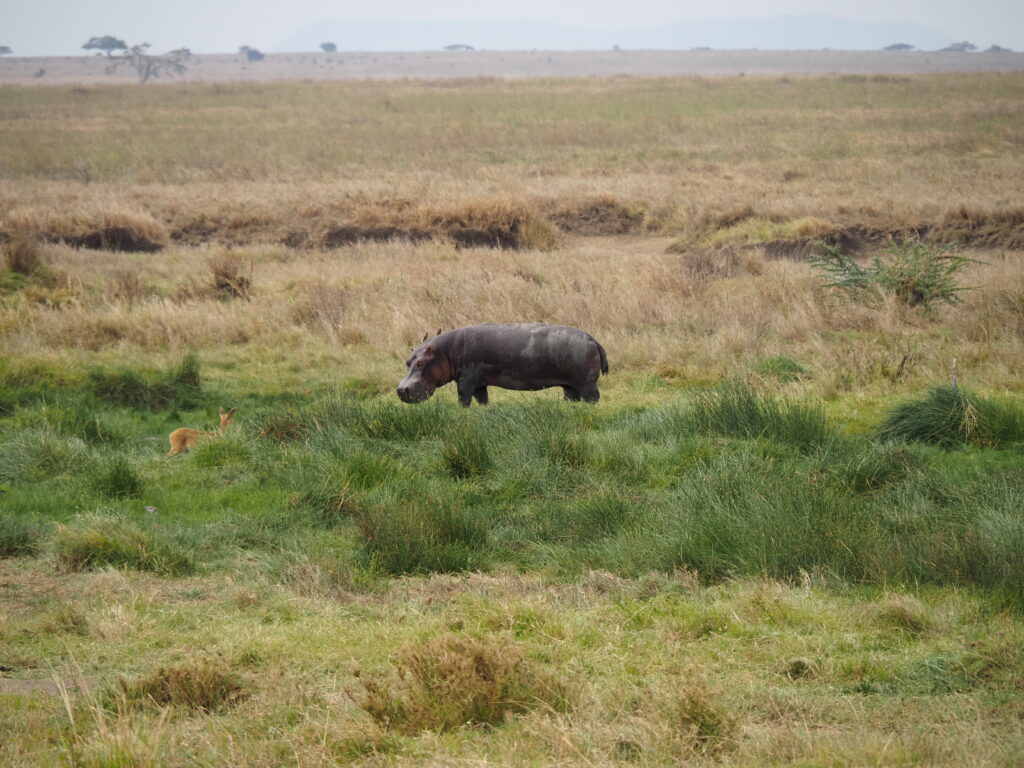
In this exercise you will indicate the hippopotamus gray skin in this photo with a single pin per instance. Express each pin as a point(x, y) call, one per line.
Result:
point(527, 356)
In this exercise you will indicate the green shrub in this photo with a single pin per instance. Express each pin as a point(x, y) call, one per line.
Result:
point(950, 417)
point(916, 274)
point(116, 479)
point(96, 540)
point(422, 536)
point(451, 681)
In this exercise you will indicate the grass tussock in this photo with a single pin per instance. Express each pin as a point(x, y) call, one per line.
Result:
point(951, 417)
point(97, 541)
point(704, 724)
point(230, 275)
point(116, 479)
point(19, 536)
point(22, 254)
point(205, 685)
point(431, 534)
point(451, 681)
point(738, 409)
point(904, 613)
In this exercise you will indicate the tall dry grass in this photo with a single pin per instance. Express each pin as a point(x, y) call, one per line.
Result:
point(677, 316)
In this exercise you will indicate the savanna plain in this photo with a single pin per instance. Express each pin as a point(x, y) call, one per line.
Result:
point(783, 536)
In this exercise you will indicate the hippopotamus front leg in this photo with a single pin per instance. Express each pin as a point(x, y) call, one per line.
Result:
point(481, 395)
point(571, 394)
point(468, 386)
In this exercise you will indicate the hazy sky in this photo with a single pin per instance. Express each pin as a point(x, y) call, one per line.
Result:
point(51, 27)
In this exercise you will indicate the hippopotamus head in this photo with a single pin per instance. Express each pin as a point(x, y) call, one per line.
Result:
point(429, 368)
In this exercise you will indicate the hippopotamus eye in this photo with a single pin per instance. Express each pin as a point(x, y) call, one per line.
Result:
point(419, 363)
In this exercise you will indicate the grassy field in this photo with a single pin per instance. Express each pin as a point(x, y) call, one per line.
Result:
point(780, 538)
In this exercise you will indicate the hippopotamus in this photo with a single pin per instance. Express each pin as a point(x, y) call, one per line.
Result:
point(526, 356)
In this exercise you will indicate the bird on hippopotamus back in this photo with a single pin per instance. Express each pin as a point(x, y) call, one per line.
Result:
point(525, 356)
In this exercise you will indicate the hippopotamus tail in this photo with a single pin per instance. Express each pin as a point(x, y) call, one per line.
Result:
point(604, 358)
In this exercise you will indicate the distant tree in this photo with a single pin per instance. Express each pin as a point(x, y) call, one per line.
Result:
point(899, 47)
point(5, 49)
point(147, 66)
point(993, 49)
point(252, 54)
point(960, 47)
point(459, 47)
point(106, 43)
point(328, 47)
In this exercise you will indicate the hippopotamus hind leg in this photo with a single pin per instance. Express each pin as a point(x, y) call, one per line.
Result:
point(571, 394)
point(589, 393)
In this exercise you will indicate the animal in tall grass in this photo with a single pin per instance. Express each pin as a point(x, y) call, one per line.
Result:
point(526, 356)
point(184, 439)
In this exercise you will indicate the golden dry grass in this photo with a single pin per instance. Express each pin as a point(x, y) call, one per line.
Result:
point(683, 317)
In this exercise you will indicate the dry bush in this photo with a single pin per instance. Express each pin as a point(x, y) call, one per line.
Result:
point(449, 681)
point(206, 685)
point(230, 279)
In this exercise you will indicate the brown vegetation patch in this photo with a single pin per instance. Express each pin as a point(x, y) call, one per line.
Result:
point(494, 223)
point(22, 255)
point(600, 215)
point(338, 237)
point(449, 681)
point(230, 278)
point(104, 229)
point(969, 225)
point(206, 685)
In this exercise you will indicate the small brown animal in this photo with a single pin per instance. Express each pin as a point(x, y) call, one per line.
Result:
point(184, 439)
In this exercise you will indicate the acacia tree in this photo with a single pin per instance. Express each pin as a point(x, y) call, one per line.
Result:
point(328, 47)
point(146, 66)
point(5, 49)
point(250, 53)
point(106, 43)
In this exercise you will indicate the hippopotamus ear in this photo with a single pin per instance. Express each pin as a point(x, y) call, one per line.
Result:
point(426, 336)
point(438, 332)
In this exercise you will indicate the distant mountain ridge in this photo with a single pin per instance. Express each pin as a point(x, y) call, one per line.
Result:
point(769, 33)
